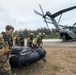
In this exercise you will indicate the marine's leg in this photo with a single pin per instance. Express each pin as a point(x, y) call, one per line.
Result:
point(6, 68)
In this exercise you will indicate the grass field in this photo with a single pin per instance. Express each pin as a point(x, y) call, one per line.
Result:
point(61, 60)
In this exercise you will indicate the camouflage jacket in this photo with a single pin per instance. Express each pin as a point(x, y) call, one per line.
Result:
point(4, 45)
point(38, 41)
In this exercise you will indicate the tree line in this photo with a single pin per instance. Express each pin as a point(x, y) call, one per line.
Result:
point(49, 33)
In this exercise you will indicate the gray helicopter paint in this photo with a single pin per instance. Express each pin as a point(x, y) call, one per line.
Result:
point(68, 32)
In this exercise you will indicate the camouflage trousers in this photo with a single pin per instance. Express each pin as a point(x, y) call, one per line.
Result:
point(5, 68)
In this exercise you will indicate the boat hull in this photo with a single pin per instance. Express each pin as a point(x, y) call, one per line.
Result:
point(24, 56)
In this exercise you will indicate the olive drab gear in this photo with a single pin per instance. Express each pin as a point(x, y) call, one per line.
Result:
point(38, 41)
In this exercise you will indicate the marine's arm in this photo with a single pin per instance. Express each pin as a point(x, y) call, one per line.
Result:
point(1, 45)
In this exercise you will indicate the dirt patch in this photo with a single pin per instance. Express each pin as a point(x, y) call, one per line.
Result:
point(61, 60)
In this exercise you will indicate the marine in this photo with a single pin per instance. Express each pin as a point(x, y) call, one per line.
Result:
point(6, 43)
point(38, 40)
point(17, 40)
point(39, 43)
point(30, 40)
point(21, 39)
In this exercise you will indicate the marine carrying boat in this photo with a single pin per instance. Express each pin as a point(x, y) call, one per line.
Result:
point(23, 56)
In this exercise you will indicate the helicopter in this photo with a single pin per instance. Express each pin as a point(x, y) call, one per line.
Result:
point(66, 32)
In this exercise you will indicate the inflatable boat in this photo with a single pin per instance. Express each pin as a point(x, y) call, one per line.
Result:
point(24, 56)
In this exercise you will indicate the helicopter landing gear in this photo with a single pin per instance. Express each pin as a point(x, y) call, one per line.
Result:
point(64, 38)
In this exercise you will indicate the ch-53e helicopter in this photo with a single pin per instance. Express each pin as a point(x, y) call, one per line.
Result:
point(66, 32)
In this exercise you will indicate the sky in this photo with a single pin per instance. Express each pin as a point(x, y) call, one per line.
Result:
point(20, 13)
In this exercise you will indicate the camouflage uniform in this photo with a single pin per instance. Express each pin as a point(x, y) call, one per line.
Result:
point(5, 68)
point(17, 41)
point(30, 40)
point(38, 40)
point(38, 43)
point(21, 39)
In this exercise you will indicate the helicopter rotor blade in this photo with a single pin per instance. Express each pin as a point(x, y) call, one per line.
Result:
point(63, 11)
point(41, 9)
point(38, 13)
point(42, 15)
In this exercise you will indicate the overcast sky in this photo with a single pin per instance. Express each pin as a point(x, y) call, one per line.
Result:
point(20, 13)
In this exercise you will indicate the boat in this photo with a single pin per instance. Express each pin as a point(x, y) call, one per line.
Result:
point(24, 56)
